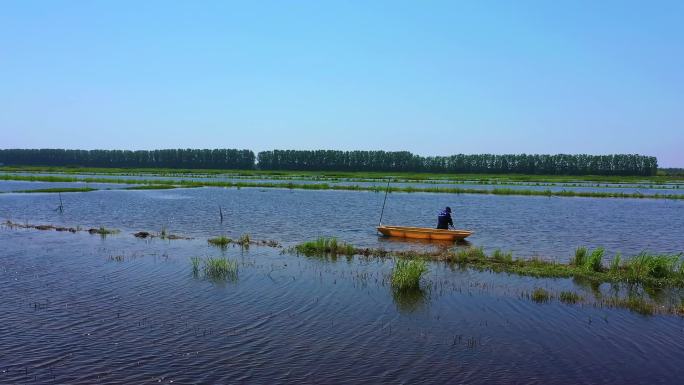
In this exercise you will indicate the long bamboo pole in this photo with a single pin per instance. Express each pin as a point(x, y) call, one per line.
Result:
point(383, 202)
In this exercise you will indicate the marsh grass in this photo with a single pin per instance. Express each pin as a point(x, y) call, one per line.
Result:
point(540, 295)
point(616, 263)
point(580, 257)
point(220, 241)
point(569, 297)
point(644, 266)
point(632, 302)
point(103, 231)
point(195, 261)
point(218, 269)
point(645, 269)
point(407, 273)
point(500, 256)
point(244, 241)
point(326, 186)
point(323, 245)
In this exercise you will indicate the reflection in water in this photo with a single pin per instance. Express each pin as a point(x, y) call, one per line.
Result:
point(410, 300)
point(395, 242)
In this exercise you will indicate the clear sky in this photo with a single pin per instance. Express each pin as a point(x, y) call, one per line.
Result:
point(431, 77)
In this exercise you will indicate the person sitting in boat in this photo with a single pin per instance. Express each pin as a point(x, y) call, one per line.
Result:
point(444, 219)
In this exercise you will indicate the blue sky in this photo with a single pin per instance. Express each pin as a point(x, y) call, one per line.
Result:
point(431, 77)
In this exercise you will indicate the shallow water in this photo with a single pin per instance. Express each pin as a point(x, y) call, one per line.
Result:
point(544, 226)
point(73, 314)
point(12, 185)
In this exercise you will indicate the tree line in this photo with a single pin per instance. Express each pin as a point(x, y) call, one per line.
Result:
point(561, 164)
point(331, 160)
point(172, 158)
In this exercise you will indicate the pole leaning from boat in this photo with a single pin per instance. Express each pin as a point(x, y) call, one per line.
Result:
point(384, 201)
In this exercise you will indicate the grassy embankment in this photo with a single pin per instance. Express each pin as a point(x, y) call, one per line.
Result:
point(326, 186)
point(370, 175)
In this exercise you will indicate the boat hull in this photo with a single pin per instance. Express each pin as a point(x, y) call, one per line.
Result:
point(424, 233)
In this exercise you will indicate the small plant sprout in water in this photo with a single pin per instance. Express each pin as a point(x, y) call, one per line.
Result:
point(195, 265)
point(243, 241)
point(406, 274)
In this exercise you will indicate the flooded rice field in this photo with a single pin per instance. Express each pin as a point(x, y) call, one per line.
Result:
point(81, 308)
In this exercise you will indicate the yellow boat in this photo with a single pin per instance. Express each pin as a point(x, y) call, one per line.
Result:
point(424, 233)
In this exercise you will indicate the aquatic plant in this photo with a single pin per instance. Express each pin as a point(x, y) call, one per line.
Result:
point(220, 241)
point(470, 254)
point(644, 266)
point(344, 187)
point(244, 240)
point(220, 268)
point(569, 297)
point(195, 265)
point(103, 231)
point(323, 245)
point(615, 263)
point(632, 302)
point(500, 256)
point(594, 261)
point(580, 256)
point(407, 273)
point(540, 295)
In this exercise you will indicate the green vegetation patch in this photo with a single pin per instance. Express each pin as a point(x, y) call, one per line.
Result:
point(220, 241)
point(324, 245)
point(407, 273)
point(215, 269)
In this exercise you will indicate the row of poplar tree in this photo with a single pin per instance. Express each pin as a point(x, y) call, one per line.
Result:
point(331, 160)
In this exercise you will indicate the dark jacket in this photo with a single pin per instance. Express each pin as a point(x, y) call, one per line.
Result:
point(444, 220)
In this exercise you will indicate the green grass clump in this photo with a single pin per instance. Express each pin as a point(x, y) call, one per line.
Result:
point(594, 261)
point(616, 263)
point(540, 295)
point(645, 266)
point(569, 297)
point(220, 269)
point(590, 262)
point(500, 256)
point(407, 273)
point(324, 245)
point(580, 256)
point(470, 254)
point(220, 241)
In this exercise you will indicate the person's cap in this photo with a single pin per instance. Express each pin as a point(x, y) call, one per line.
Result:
point(448, 209)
